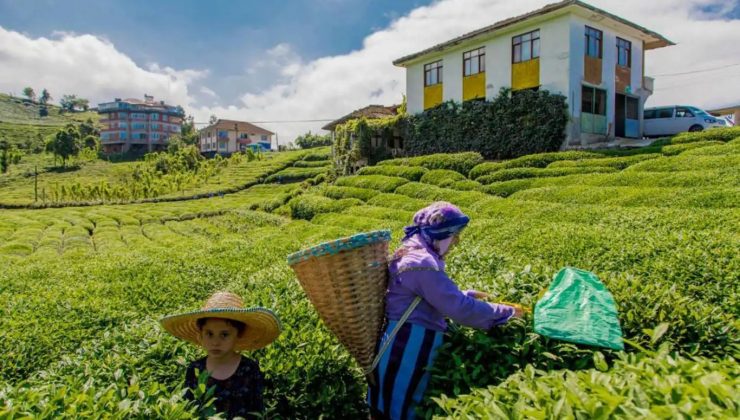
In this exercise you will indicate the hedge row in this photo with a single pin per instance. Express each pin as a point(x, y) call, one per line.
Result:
point(412, 173)
point(374, 182)
point(509, 125)
point(397, 201)
point(317, 156)
point(540, 160)
point(312, 163)
point(432, 193)
point(679, 148)
point(338, 193)
point(459, 162)
point(442, 177)
point(306, 206)
point(619, 162)
point(714, 134)
point(520, 173)
point(294, 174)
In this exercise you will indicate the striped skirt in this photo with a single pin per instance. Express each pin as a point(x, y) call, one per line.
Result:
point(401, 376)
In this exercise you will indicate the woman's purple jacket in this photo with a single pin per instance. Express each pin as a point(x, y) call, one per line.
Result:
point(421, 272)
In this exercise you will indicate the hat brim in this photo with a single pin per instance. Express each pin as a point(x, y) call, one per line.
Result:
point(263, 327)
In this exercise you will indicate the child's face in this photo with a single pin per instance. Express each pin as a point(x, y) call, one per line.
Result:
point(218, 337)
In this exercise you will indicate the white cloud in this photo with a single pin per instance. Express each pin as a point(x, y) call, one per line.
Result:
point(88, 66)
point(208, 92)
point(332, 86)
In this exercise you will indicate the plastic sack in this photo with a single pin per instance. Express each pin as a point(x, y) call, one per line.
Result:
point(578, 308)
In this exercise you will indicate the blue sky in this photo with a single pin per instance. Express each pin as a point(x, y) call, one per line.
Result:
point(225, 37)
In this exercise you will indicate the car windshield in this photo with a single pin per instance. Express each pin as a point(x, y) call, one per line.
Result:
point(698, 111)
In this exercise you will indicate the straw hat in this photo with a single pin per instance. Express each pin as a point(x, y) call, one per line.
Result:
point(263, 326)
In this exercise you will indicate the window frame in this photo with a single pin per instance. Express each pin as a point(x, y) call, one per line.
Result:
point(599, 37)
point(623, 44)
point(517, 41)
point(480, 57)
point(437, 67)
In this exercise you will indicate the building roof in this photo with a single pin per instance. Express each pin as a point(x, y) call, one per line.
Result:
point(370, 111)
point(242, 126)
point(652, 39)
point(725, 110)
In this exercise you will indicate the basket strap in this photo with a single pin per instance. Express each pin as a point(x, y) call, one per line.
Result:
point(393, 333)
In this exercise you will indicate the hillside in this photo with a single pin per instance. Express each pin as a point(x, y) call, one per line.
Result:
point(21, 124)
point(84, 286)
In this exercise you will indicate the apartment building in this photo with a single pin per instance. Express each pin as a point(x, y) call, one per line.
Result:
point(594, 58)
point(138, 126)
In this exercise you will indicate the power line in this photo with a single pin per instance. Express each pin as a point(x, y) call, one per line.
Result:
point(281, 122)
point(696, 71)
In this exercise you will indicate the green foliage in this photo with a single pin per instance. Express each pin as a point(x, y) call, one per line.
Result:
point(317, 156)
point(540, 160)
point(354, 141)
point(338, 193)
point(65, 144)
point(465, 185)
point(380, 183)
point(312, 164)
point(619, 162)
point(676, 149)
point(509, 125)
point(663, 385)
point(397, 201)
point(310, 140)
point(714, 134)
point(9, 155)
point(412, 173)
point(442, 177)
point(29, 93)
point(306, 206)
point(433, 193)
point(295, 174)
point(520, 173)
point(458, 162)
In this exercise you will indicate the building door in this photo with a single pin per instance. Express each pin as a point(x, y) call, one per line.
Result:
point(626, 119)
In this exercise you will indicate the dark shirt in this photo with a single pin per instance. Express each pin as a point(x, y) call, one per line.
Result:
point(236, 396)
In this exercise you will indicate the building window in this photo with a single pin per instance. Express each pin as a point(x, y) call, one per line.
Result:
point(155, 126)
point(154, 117)
point(264, 137)
point(433, 73)
point(593, 42)
point(474, 62)
point(624, 53)
point(155, 136)
point(525, 47)
point(122, 135)
point(164, 118)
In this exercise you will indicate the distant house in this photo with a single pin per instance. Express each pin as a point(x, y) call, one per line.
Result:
point(228, 136)
point(370, 112)
point(136, 125)
point(592, 57)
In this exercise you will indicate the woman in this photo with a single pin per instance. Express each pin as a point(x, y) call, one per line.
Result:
point(417, 269)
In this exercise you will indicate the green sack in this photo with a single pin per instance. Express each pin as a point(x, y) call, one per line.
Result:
point(579, 309)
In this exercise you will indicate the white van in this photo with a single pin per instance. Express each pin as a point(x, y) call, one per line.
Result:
point(670, 120)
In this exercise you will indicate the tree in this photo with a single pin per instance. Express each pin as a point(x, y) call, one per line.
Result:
point(65, 143)
point(9, 155)
point(30, 93)
point(45, 97)
point(212, 120)
point(310, 140)
point(188, 133)
point(87, 128)
point(72, 103)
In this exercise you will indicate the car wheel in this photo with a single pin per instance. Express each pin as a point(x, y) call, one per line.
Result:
point(695, 128)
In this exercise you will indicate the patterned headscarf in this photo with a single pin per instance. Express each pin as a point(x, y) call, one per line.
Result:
point(437, 221)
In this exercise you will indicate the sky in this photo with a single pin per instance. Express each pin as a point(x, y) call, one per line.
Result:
point(278, 62)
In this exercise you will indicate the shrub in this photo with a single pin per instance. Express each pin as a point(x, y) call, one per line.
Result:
point(442, 177)
point(687, 163)
point(412, 173)
point(509, 125)
point(520, 173)
point(397, 201)
point(433, 193)
point(540, 160)
point(338, 193)
point(459, 162)
point(317, 156)
point(465, 185)
point(383, 212)
point(637, 385)
point(306, 206)
point(729, 148)
point(312, 163)
point(714, 134)
point(676, 149)
point(375, 182)
point(619, 162)
point(294, 174)
point(507, 188)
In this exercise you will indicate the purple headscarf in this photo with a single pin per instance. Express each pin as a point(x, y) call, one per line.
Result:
point(436, 222)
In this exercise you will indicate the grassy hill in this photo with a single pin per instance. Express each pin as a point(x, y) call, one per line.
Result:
point(83, 287)
point(21, 124)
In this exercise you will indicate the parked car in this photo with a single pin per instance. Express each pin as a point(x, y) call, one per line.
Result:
point(670, 120)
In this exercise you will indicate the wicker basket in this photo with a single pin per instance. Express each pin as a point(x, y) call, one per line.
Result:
point(346, 281)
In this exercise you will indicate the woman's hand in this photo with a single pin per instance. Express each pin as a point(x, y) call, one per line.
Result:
point(518, 311)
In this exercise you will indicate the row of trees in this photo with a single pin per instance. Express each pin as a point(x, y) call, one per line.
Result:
point(72, 139)
point(68, 102)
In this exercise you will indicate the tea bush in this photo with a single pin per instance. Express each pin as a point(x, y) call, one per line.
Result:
point(323, 154)
point(338, 193)
point(312, 163)
point(613, 162)
point(458, 162)
point(442, 177)
point(465, 185)
point(307, 206)
point(715, 134)
point(380, 183)
point(295, 174)
point(412, 173)
point(540, 160)
point(520, 173)
point(397, 201)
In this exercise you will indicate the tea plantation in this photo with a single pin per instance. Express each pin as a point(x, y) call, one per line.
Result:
point(85, 282)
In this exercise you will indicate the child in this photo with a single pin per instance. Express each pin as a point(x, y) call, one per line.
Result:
point(224, 328)
point(418, 269)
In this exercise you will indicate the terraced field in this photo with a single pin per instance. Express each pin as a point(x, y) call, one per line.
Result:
point(84, 286)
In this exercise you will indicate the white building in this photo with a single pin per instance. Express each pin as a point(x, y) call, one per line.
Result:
point(592, 57)
point(228, 136)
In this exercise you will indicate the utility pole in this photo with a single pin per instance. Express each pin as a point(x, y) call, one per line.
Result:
point(36, 183)
point(277, 142)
